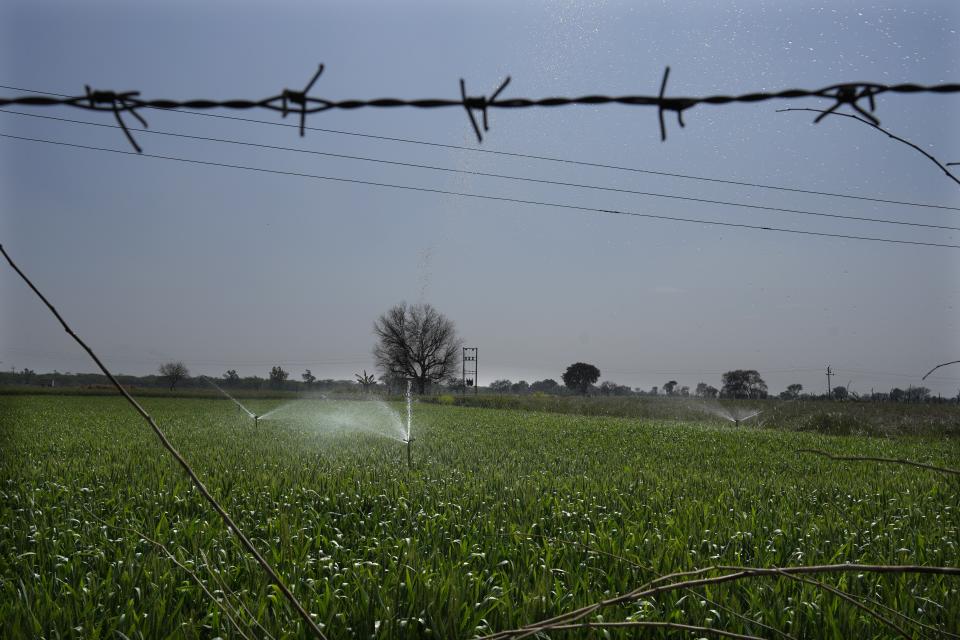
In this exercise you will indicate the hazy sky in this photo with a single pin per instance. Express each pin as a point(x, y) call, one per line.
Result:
point(223, 268)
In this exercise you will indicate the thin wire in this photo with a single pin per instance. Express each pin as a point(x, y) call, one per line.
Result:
point(489, 197)
point(528, 156)
point(496, 175)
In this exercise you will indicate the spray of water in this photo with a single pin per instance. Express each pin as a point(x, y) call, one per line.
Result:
point(409, 411)
point(237, 402)
point(732, 414)
point(341, 416)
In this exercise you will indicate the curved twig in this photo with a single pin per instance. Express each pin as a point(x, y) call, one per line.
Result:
point(677, 626)
point(945, 363)
point(890, 460)
point(733, 573)
point(942, 166)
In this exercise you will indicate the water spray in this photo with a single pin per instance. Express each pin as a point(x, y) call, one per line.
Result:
point(408, 439)
point(239, 404)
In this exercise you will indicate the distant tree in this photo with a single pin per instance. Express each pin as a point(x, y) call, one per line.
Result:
point(897, 394)
point(174, 372)
point(792, 392)
point(545, 386)
point(917, 394)
point(579, 376)
point(520, 387)
point(27, 375)
point(455, 383)
point(501, 386)
point(654, 391)
point(231, 378)
point(743, 383)
point(840, 393)
point(684, 391)
point(610, 388)
point(366, 380)
point(670, 387)
point(416, 342)
point(278, 376)
point(308, 378)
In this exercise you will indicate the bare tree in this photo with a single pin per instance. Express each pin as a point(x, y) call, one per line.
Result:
point(174, 372)
point(416, 342)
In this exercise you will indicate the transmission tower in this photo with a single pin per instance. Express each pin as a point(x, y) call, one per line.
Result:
point(469, 361)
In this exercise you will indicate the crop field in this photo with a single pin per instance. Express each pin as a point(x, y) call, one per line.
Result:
point(506, 517)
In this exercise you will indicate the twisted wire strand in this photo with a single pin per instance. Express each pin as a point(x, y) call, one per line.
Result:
point(851, 94)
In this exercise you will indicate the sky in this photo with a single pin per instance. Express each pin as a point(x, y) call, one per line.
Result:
point(153, 260)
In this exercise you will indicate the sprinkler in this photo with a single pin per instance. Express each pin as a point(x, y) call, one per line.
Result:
point(409, 462)
point(256, 420)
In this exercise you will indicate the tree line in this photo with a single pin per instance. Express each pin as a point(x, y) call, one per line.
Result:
point(418, 345)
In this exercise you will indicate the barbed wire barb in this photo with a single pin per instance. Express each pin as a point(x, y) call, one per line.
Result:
point(481, 104)
point(113, 99)
point(851, 94)
point(300, 98)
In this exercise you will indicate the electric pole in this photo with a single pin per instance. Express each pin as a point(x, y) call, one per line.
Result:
point(469, 369)
point(829, 388)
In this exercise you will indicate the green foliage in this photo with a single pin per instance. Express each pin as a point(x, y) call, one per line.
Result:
point(446, 399)
point(507, 517)
point(579, 376)
point(836, 424)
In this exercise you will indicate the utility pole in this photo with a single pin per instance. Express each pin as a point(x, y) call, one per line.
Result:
point(469, 369)
point(829, 388)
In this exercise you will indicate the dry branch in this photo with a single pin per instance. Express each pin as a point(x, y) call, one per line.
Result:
point(639, 624)
point(942, 166)
point(231, 525)
point(945, 363)
point(734, 573)
point(889, 460)
point(848, 598)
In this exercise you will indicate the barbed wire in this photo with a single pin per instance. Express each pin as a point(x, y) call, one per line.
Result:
point(859, 96)
point(514, 154)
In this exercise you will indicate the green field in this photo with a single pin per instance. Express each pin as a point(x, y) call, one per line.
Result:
point(506, 517)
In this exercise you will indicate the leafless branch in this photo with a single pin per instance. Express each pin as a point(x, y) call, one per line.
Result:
point(874, 459)
point(848, 598)
point(939, 365)
point(876, 125)
point(639, 624)
point(673, 582)
point(231, 525)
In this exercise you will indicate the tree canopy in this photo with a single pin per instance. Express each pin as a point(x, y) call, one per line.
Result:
point(174, 372)
point(416, 342)
point(579, 376)
point(743, 383)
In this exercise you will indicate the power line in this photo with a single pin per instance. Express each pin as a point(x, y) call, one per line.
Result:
point(495, 175)
point(489, 197)
point(529, 156)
